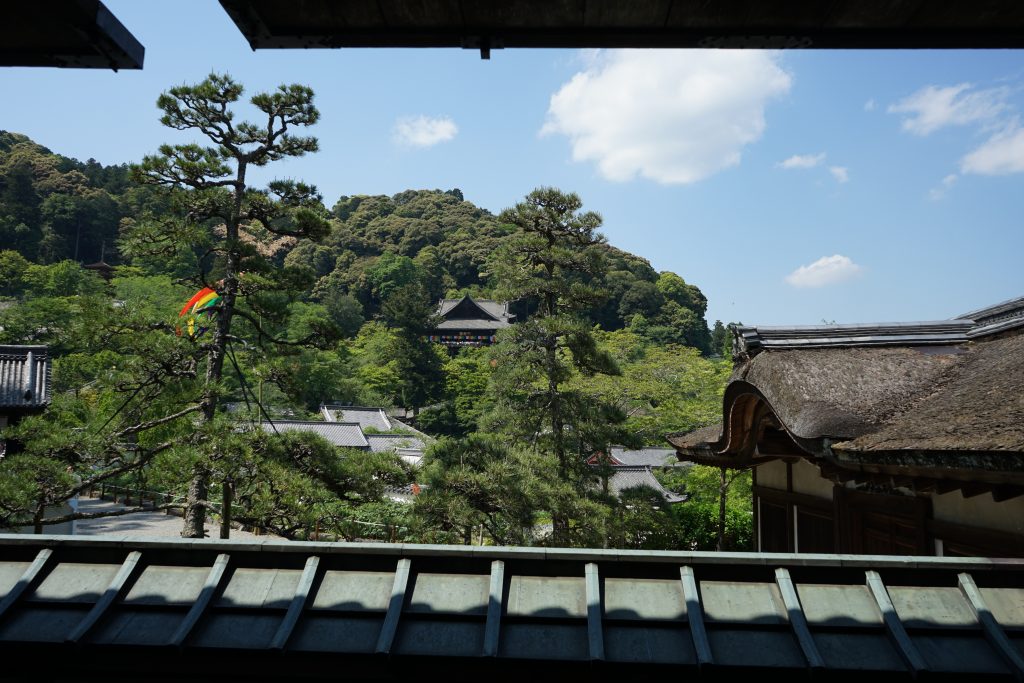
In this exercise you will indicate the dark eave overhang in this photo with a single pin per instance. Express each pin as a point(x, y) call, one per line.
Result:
point(760, 24)
point(752, 435)
point(81, 34)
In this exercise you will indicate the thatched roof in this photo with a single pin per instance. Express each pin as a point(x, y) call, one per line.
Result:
point(902, 395)
point(978, 405)
point(844, 392)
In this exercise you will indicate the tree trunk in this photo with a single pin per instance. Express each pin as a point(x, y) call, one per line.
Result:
point(37, 519)
point(194, 525)
point(225, 510)
point(560, 530)
point(723, 492)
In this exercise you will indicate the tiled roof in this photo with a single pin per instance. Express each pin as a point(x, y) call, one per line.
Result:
point(380, 443)
point(627, 477)
point(1007, 315)
point(463, 324)
point(24, 376)
point(116, 608)
point(366, 418)
point(347, 435)
point(651, 457)
point(497, 310)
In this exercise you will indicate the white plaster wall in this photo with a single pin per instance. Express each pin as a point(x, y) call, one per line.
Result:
point(980, 511)
point(807, 479)
point(772, 475)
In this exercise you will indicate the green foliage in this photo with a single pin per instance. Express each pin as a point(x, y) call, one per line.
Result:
point(698, 518)
point(660, 388)
point(480, 480)
point(697, 528)
point(550, 260)
point(297, 278)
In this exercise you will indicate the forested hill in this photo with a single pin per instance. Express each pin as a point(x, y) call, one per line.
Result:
point(54, 208)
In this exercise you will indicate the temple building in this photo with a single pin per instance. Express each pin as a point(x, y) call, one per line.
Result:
point(470, 322)
point(24, 382)
point(622, 469)
point(895, 438)
point(362, 428)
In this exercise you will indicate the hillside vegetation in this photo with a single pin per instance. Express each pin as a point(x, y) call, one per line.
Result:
point(332, 306)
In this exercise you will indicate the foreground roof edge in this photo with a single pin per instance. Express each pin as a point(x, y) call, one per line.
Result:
point(96, 39)
point(756, 24)
point(265, 610)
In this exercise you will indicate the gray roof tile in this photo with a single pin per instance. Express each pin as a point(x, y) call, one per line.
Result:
point(650, 457)
point(366, 418)
point(343, 434)
point(24, 376)
point(380, 443)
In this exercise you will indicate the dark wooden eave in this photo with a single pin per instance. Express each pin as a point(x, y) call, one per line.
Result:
point(80, 34)
point(493, 24)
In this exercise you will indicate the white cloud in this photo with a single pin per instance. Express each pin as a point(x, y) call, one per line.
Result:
point(840, 173)
point(869, 105)
point(937, 193)
point(424, 131)
point(1001, 154)
point(828, 270)
point(932, 107)
point(802, 161)
point(674, 116)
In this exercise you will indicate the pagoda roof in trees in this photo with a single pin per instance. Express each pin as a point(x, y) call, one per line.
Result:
point(468, 313)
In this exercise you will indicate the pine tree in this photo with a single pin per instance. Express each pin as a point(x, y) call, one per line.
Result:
point(550, 262)
point(220, 211)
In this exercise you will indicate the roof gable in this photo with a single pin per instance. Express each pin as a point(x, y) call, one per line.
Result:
point(468, 308)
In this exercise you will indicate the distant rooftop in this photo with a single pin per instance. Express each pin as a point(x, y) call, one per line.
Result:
point(24, 377)
point(345, 435)
point(649, 457)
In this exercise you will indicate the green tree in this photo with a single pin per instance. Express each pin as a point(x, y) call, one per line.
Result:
point(718, 514)
point(208, 186)
point(409, 310)
point(660, 388)
point(551, 259)
point(480, 480)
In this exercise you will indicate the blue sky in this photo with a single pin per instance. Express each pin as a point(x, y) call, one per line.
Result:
point(792, 187)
